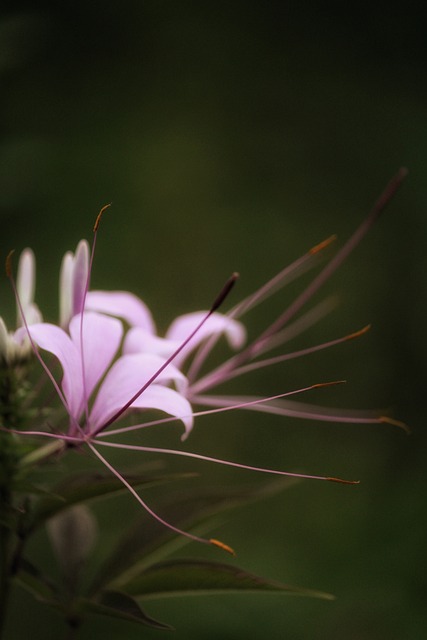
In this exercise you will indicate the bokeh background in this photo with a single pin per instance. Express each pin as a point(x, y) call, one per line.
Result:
point(234, 136)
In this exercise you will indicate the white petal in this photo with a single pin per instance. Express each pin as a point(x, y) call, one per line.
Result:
point(4, 340)
point(26, 281)
point(65, 289)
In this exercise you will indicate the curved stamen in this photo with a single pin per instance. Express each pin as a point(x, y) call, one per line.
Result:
point(259, 343)
point(228, 463)
point(83, 305)
point(260, 364)
point(242, 404)
point(152, 513)
point(284, 277)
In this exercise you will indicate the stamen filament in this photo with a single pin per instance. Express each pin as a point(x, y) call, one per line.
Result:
point(228, 463)
point(260, 364)
point(85, 292)
point(258, 344)
point(145, 505)
point(287, 275)
point(246, 403)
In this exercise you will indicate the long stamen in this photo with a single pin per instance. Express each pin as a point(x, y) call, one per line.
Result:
point(255, 347)
point(289, 356)
point(284, 277)
point(216, 543)
point(335, 263)
point(246, 403)
point(85, 292)
point(218, 301)
point(304, 322)
point(293, 409)
point(228, 463)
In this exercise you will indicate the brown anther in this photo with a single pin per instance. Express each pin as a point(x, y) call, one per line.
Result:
point(8, 263)
point(359, 333)
point(99, 216)
point(322, 245)
point(224, 291)
point(341, 481)
point(395, 423)
point(221, 545)
point(319, 385)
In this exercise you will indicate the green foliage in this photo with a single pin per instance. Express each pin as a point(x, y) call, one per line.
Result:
point(132, 570)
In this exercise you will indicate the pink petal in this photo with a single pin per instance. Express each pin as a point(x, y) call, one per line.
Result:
point(56, 341)
point(124, 380)
point(138, 340)
point(80, 276)
point(182, 326)
point(101, 339)
point(72, 282)
point(123, 305)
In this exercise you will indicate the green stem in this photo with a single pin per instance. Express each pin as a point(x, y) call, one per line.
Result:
point(4, 556)
point(9, 458)
point(42, 453)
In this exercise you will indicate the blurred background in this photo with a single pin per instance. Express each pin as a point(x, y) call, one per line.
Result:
point(234, 136)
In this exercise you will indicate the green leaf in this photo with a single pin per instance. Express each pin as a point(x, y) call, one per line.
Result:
point(89, 486)
point(147, 541)
point(39, 585)
point(120, 605)
point(197, 577)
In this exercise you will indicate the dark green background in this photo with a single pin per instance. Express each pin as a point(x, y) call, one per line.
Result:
point(234, 136)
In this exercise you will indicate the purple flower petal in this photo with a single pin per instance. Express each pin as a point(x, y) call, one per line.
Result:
point(80, 276)
point(124, 380)
point(123, 305)
point(72, 282)
point(58, 342)
point(101, 339)
point(182, 326)
point(139, 341)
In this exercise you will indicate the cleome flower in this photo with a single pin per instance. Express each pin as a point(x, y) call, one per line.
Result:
point(109, 371)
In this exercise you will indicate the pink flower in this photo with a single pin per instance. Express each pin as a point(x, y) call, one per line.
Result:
point(98, 390)
point(86, 354)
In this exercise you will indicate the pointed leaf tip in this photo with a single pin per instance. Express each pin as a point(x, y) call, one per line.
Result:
point(199, 577)
point(116, 604)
